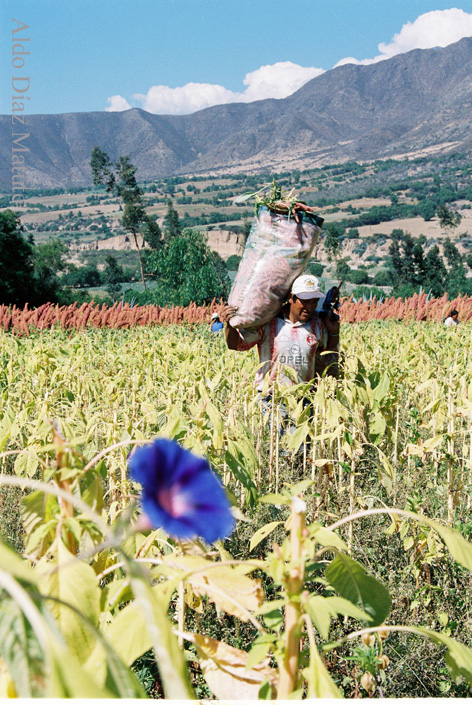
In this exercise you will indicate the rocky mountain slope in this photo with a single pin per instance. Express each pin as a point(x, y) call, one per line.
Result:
point(414, 103)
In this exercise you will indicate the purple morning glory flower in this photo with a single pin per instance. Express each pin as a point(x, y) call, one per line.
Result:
point(181, 493)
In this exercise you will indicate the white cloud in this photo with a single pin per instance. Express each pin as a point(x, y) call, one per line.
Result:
point(116, 103)
point(163, 100)
point(279, 80)
point(437, 28)
point(273, 81)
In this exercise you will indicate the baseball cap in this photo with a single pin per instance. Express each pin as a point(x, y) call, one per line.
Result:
point(215, 315)
point(307, 287)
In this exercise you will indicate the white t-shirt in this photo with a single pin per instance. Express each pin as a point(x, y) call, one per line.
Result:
point(451, 322)
point(283, 343)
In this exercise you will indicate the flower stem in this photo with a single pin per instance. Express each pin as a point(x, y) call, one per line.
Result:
point(293, 611)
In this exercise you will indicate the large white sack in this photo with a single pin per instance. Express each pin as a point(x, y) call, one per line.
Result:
point(277, 251)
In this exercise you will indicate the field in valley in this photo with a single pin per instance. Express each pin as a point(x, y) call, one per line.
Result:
point(394, 431)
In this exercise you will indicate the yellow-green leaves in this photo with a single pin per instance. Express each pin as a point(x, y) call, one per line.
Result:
point(320, 684)
point(74, 597)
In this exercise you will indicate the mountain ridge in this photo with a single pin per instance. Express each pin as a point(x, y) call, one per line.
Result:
point(413, 103)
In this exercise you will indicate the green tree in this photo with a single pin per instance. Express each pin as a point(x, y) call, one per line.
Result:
point(152, 233)
point(81, 277)
point(408, 260)
point(395, 263)
point(119, 178)
point(112, 275)
point(426, 209)
point(173, 227)
point(232, 263)
point(343, 269)
point(187, 271)
point(448, 219)
point(382, 278)
point(333, 233)
point(452, 254)
point(49, 260)
point(17, 277)
point(359, 276)
point(435, 272)
point(418, 260)
point(315, 268)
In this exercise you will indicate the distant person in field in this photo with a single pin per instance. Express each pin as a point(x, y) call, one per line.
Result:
point(216, 324)
point(295, 338)
point(452, 319)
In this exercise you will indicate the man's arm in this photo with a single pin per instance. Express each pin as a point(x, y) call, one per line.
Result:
point(333, 328)
point(231, 334)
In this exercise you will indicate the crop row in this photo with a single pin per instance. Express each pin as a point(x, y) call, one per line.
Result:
point(419, 307)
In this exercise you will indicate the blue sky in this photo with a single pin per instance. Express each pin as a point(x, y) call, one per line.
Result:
point(177, 56)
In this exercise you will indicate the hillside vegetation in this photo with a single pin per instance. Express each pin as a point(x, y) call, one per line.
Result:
point(368, 208)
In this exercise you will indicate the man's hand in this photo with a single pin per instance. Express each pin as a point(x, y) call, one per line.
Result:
point(228, 313)
point(333, 328)
point(231, 334)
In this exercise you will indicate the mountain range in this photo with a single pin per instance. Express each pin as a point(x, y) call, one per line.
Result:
point(413, 104)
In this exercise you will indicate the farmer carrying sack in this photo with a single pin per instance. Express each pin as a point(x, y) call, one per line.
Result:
point(277, 251)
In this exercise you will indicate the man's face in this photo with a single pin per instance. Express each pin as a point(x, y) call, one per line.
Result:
point(301, 310)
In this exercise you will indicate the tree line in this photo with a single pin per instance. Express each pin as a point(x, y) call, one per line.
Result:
point(177, 261)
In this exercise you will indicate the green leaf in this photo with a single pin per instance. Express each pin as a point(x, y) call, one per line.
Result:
point(382, 389)
point(459, 548)
point(91, 489)
point(262, 533)
point(6, 428)
point(17, 566)
point(351, 581)
point(458, 656)
point(320, 683)
point(69, 680)
point(39, 508)
point(169, 656)
point(322, 609)
point(298, 436)
point(128, 634)
point(325, 537)
point(258, 653)
point(377, 426)
point(320, 615)
point(300, 487)
point(275, 499)
point(238, 466)
point(21, 650)
point(26, 463)
point(74, 583)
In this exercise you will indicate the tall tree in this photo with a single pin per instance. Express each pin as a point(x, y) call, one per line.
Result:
point(435, 272)
point(172, 220)
point(119, 178)
point(49, 260)
point(17, 276)
point(333, 232)
point(452, 254)
point(112, 276)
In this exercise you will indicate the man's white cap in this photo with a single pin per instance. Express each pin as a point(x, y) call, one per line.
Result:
point(307, 287)
point(215, 315)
